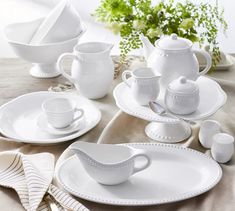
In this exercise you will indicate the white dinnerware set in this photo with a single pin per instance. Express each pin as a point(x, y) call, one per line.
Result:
point(185, 95)
point(173, 98)
point(170, 92)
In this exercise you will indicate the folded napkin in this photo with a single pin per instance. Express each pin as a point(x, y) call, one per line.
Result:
point(31, 176)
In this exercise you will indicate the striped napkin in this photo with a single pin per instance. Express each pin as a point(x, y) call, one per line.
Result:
point(31, 176)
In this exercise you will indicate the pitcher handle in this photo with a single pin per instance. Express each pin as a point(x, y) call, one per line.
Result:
point(208, 61)
point(124, 77)
point(141, 153)
point(61, 68)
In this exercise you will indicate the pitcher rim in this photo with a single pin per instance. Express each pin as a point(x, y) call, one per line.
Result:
point(89, 43)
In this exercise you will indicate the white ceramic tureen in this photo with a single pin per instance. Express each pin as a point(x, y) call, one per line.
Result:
point(173, 56)
point(182, 96)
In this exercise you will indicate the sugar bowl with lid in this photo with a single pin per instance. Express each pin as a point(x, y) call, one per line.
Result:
point(182, 96)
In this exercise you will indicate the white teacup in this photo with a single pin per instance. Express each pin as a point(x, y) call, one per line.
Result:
point(61, 112)
point(144, 84)
point(207, 130)
point(223, 147)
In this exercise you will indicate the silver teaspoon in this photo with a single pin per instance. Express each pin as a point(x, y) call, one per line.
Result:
point(160, 110)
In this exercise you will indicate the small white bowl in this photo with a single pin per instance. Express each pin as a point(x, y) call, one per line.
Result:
point(223, 147)
point(182, 96)
point(62, 23)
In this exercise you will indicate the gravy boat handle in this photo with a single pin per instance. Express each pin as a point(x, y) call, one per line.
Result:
point(141, 153)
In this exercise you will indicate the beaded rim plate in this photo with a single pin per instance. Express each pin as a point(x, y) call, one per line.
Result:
point(176, 174)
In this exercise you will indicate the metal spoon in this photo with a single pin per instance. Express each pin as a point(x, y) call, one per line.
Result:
point(160, 110)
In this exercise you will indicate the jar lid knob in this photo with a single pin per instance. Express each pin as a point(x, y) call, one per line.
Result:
point(183, 80)
point(174, 36)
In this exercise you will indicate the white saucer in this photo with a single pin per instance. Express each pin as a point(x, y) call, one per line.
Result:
point(176, 174)
point(18, 118)
point(45, 126)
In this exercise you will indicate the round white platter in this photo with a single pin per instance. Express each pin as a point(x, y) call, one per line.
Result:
point(167, 129)
point(176, 173)
point(18, 118)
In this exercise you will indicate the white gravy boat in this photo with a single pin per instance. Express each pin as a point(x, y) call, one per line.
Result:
point(109, 164)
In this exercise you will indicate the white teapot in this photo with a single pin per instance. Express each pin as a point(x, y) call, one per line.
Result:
point(172, 57)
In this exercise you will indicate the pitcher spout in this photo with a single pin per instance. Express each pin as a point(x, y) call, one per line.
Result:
point(147, 46)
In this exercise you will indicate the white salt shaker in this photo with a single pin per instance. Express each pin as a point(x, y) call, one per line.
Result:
point(223, 147)
point(207, 130)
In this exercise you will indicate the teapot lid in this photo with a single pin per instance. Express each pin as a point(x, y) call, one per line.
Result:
point(173, 42)
point(183, 85)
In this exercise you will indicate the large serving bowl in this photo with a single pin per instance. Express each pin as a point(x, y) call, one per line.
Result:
point(44, 56)
point(61, 24)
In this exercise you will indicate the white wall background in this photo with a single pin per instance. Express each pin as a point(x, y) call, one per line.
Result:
point(23, 10)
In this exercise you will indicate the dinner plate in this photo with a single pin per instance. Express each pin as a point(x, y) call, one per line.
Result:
point(176, 173)
point(18, 118)
point(45, 126)
point(212, 97)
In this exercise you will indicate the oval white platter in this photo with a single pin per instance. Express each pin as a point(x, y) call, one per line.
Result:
point(18, 118)
point(176, 173)
point(212, 97)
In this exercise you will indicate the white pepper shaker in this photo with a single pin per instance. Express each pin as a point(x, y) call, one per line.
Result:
point(222, 147)
point(207, 130)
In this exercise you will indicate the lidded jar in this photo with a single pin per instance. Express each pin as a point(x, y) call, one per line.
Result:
point(182, 96)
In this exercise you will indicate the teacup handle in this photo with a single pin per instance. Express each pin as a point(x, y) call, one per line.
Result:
point(208, 61)
point(141, 153)
point(124, 77)
point(61, 68)
point(78, 110)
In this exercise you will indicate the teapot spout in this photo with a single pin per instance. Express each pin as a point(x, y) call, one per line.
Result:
point(147, 46)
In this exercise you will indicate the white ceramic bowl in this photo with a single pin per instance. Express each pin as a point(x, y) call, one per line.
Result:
point(62, 23)
point(45, 56)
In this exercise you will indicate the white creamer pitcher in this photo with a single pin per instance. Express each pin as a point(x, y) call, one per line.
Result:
point(92, 69)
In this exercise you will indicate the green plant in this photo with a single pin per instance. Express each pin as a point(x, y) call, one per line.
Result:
point(198, 22)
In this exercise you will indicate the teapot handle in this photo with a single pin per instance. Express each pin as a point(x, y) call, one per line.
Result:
point(208, 61)
point(61, 68)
